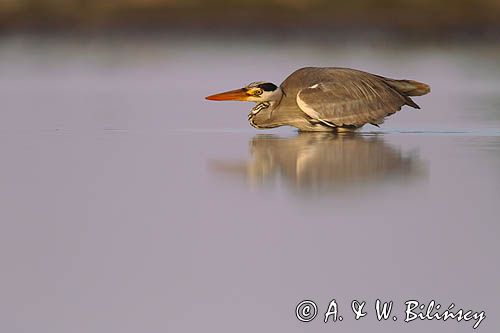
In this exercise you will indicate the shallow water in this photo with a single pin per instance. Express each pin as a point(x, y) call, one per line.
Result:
point(131, 204)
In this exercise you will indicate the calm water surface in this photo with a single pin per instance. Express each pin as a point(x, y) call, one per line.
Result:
point(131, 204)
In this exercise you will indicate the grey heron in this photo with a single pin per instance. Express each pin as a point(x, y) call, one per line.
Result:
point(326, 99)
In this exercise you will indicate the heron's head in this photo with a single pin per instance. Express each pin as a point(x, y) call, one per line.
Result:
point(253, 92)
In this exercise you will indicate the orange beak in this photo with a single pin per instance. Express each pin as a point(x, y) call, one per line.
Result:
point(232, 95)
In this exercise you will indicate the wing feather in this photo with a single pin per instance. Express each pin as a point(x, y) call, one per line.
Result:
point(349, 99)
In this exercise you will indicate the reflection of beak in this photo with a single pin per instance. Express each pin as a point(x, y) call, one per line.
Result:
point(233, 95)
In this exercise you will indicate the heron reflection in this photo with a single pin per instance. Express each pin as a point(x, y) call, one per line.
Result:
point(322, 161)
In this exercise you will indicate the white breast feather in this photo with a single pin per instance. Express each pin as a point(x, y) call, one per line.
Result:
point(306, 108)
point(310, 111)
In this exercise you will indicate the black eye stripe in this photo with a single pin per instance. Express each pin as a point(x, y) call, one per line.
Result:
point(268, 86)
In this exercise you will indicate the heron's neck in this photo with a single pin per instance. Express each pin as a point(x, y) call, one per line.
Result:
point(276, 97)
point(272, 101)
point(261, 106)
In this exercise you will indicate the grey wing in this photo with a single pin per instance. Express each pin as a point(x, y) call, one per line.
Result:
point(352, 100)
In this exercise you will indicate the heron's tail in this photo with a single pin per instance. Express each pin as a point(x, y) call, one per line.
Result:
point(409, 87)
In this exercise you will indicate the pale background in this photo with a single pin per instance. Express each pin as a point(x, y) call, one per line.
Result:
point(131, 204)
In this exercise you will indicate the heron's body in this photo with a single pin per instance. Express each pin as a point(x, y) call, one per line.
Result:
point(326, 99)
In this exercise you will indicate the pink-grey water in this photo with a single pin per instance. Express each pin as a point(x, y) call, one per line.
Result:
point(131, 204)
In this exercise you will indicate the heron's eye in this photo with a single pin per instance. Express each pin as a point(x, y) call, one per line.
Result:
point(258, 92)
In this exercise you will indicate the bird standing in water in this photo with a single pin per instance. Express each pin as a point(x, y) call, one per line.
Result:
point(326, 99)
